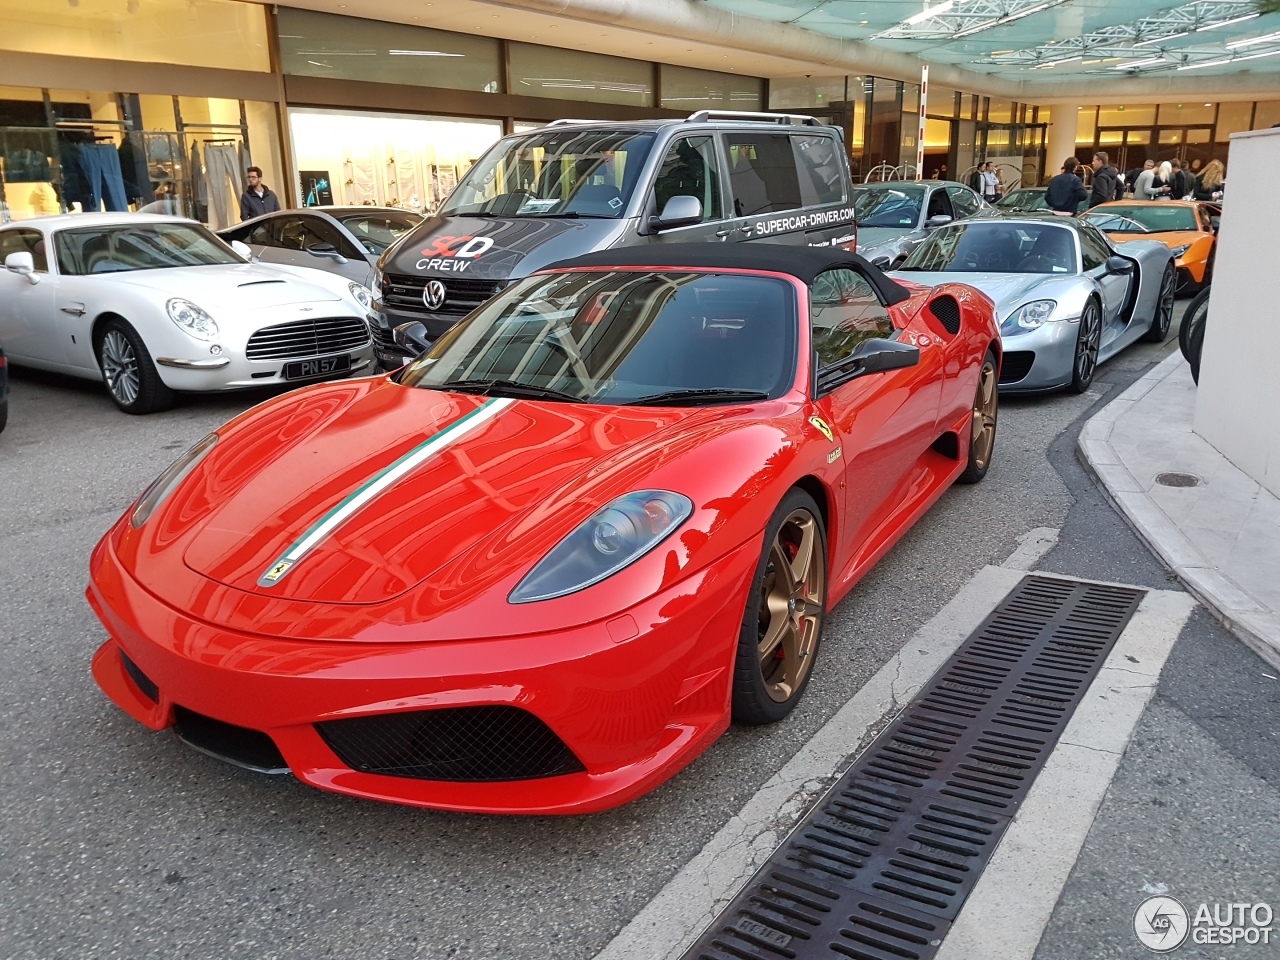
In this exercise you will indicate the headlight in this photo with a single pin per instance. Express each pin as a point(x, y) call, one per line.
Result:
point(168, 481)
point(613, 537)
point(192, 319)
point(361, 294)
point(1031, 315)
point(377, 284)
point(1179, 251)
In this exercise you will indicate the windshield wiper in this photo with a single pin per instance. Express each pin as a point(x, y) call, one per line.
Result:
point(509, 387)
point(711, 395)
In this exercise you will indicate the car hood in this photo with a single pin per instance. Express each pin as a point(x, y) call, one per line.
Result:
point(231, 286)
point(496, 248)
point(499, 493)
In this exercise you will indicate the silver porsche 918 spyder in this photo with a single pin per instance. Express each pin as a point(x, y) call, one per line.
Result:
point(1066, 297)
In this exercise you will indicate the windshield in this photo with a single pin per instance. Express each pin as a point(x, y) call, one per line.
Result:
point(377, 232)
point(561, 172)
point(996, 248)
point(1154, 216)
point(1023, 200)
point(118, 248)
point(887, 206)
point(622, 337)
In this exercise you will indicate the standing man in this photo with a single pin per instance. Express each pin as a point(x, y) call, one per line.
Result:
point(990, 184)
point(258, 199)
point(1183, 182)
point(1104, 180)
point(1065, 191)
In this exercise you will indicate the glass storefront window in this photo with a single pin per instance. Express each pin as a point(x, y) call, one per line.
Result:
point(1127, 115)
point(1266, 114)
point(804, 92)
point(684, 88)
point(349, 48)
point(1086, 124)
point(941, 102)
point(1173, 114)
point(911, 98)
point(1110, 137)
point(199, 33)
point(538, 71)
point(1138, 137)
point(383, 159)
point(1233, 117)
point(1170, 136)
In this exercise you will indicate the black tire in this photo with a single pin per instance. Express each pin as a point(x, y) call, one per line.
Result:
point(767, 694)
point(128, 372)
point(1084, 363)
point(1163, 319)
point(1191, 331)
point(4, 413)
point(986, 412)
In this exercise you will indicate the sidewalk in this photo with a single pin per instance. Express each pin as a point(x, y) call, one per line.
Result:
point(1221, 536)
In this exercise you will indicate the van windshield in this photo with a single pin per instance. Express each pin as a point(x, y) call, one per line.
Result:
point(561, 171)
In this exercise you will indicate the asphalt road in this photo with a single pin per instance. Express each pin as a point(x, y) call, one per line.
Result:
point(118, 842)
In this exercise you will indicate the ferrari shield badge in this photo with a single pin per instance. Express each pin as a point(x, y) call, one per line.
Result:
point(823, 428)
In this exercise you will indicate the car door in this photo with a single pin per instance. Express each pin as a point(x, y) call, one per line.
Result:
point(690, 168)
point(964, 202)
point(764, 189)
point(1095, 254)
point(882, 422)
point(331, 250)
point(28, 324)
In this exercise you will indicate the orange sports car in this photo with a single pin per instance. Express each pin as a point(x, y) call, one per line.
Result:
point(1188, 227)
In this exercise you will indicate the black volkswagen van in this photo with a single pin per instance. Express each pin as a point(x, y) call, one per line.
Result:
point(574, 186)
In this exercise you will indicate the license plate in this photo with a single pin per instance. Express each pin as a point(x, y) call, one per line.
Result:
point(320, 367)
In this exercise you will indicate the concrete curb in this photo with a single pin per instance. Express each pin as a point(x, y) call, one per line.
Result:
point(1257, 625)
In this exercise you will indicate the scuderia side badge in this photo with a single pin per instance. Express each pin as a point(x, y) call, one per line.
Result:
point(823, 428)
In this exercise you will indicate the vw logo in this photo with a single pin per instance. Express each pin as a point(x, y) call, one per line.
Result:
point(433, 295)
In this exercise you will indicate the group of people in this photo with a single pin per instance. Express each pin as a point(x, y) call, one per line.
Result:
point(1169, 181)
point(987, 181)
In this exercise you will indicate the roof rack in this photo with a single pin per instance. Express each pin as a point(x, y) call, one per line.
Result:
point(784, 118)
point(563, 120)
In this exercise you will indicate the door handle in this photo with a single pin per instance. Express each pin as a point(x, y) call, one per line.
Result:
point(723, 233)
point(75, 309)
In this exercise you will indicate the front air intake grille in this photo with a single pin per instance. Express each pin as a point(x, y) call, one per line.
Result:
point(462, 744)
point(1016, 365)
point(385, 338)
point(460, 296)
point(145, 684)
point(251, 749)
point(946, 311)
point(308, 338)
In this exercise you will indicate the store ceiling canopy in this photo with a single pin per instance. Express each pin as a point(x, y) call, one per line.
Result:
point(1048, 40)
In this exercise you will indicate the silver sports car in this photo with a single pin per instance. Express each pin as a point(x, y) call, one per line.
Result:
point(1066, 297)
point(895, 216)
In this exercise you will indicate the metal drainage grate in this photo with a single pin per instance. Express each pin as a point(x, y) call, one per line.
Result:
point(880, 868)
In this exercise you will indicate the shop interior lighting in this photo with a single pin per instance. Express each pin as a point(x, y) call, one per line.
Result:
point(423, 53)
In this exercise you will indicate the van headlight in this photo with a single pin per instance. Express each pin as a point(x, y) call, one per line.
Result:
point(614, 537)
point(1033, 314)
point(192, 319)
point(168, 481)
point(377, 284)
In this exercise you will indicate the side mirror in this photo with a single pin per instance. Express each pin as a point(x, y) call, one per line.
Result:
point(327, 250)
point(680, 211)
point(937, 220)
point(242, 248)
point(412, 337)
point(1120, 265)
point(870, 356)
point(23, 264)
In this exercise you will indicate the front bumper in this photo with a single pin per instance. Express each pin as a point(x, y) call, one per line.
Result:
point(635, 698)
point(1040, 359)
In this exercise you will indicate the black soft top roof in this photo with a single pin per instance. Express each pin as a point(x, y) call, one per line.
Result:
point(803, 263)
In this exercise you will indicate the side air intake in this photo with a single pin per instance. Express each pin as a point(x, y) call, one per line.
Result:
point(947, 312)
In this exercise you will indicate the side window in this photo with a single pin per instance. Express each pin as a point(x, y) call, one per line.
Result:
point(263, 234)
point(1093, 252)
point(292, 233)
point(1205, 220)
point(762, 173)
point(821, 167)
point(964, 201)
point(844, 310)
point(690, 170)
point(25, 241)
point(939, 205)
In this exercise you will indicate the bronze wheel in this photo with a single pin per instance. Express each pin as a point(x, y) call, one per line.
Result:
point(982, 438)
point(783, 623)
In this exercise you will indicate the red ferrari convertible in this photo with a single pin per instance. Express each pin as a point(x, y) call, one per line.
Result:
point(539, 569)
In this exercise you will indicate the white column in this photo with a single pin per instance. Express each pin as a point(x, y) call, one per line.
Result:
point(1239, 393)
point(1061, 140)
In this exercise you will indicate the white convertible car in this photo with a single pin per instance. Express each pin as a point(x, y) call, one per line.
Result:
point(153, 304)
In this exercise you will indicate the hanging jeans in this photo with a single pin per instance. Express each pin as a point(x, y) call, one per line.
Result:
point(225, 184)
point(100, 164)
